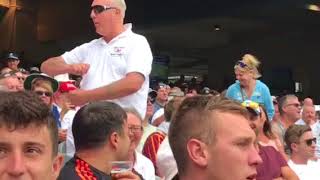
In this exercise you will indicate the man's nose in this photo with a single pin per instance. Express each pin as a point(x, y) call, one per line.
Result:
point(16, 165)
point(254, 157)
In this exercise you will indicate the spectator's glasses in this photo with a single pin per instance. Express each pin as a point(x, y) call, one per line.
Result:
point(241, 64)
point(297, 105)
point(135, 129)
point(309, 141)
point(97, 9)
point(43, 93)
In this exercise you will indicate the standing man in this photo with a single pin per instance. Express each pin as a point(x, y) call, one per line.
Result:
point(114, 67)
point(211, 138)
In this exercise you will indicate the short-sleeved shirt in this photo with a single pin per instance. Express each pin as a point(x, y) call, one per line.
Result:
point(78, 169)
point(272, 162)
point(152, 145)
point(112, 61)
point(261, 95)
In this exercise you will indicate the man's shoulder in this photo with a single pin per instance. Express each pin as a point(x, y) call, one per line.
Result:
point(68, 171)
point(75, 169)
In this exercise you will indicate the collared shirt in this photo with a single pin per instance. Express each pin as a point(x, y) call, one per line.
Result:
point(112, 61)
point(78, 169)
point(261, 95)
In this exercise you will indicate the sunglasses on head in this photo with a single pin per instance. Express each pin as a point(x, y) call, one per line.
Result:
point(43, 93)
point(97, 9)
point(309, 141)
point(241, 64)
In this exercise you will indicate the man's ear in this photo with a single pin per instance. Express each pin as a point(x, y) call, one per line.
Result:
point(294, 147)
point(57, 164)
point(198, 152)
point(114, 140)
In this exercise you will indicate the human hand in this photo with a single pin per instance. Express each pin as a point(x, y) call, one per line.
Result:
point(79, 69)
point(62, 135)
point(77, 97)
point(127, 175)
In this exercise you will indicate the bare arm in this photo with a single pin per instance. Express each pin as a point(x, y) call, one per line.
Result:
point(57, 65)
point(288, 173)
point(123, 87)
point(54, 66)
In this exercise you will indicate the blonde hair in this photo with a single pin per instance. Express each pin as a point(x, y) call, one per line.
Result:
point(252, 63)
point(121, 4)
point(39, 82)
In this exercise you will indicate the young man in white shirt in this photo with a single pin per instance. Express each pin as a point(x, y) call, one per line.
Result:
point(302, 144)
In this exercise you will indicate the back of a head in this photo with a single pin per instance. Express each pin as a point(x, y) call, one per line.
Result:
point(94, 122)
point(22, 109)
point(168, 110)
point(194, 119)
point(293, 134)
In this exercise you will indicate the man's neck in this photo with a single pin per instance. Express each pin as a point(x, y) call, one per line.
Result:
point(286, 122)
point(114, 32)
point(161, 103)
point(97, 159)
point(298, 159)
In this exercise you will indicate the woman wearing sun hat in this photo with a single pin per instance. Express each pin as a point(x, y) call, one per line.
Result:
point(44, 86)
point(248, 87)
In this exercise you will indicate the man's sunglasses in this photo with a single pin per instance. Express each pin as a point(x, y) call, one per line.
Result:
point(241, 64)
point(309, 141)
point(41, 93)
point(97, 9)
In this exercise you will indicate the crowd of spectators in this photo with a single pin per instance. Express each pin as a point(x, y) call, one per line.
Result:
point(107, 123)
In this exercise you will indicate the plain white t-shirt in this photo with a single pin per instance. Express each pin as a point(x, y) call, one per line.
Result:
point(309, 171)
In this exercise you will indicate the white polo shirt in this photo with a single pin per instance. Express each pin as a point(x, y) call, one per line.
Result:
point(110, 62)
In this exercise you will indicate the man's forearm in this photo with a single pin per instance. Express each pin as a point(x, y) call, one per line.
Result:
point(54, 66)
point(118, 89)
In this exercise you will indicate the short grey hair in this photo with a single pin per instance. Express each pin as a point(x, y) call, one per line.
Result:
point(134, 112)
point(121, 4)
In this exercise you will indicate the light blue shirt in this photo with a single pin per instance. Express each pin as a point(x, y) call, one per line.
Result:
point(261, 95)
point(300, 122)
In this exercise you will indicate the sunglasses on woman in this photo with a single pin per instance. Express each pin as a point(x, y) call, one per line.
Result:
point(43, 93)
point(241, 64)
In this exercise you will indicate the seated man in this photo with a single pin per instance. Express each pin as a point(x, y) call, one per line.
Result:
point(101, 135)
point(141, 164)
point(211, 139)
point(10, 82)
point(29, 138)
point(302, 145)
